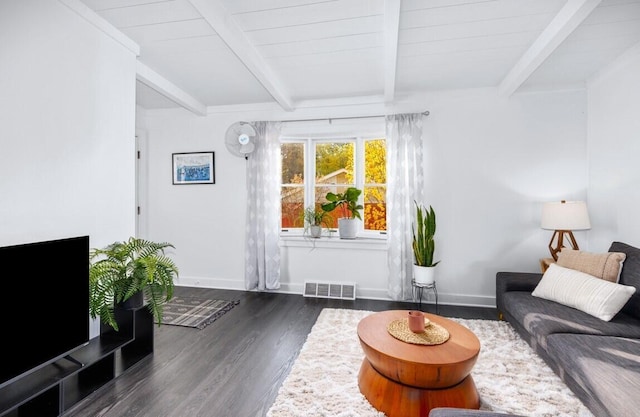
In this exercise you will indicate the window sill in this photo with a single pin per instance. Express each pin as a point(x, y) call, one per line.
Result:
point(333, 242)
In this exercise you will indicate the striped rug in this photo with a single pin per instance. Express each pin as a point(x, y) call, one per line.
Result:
point(194, 312)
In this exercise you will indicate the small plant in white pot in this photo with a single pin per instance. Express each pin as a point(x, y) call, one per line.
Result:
point(314, 219)
point(424, 245)
point(347, 202)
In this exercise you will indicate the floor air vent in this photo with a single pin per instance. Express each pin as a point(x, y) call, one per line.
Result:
point(342, 290)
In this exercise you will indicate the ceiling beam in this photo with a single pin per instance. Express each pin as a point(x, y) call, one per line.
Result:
point(223, 23)
point(391, 29)
point(92, 17)
point(566, 21)
point(152, 79)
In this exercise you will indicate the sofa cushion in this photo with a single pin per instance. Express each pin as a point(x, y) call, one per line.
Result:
point(630, 275)
point(606, 265)
point(607, 369)
point(600, 298)
point(542, 317)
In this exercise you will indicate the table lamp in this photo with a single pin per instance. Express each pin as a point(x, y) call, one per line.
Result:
point(563, 217)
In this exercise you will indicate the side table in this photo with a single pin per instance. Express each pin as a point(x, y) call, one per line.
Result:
point(545, 262)
point(418, 292)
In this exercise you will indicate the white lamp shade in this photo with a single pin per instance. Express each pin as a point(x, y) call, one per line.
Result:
point(565, 215)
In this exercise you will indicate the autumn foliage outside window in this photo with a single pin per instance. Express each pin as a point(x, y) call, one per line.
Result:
point(334, 170)
point(375, 185)
point(292, 192)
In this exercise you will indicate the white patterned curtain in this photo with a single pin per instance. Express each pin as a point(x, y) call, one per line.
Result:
point(262, 253)
point(405, 181)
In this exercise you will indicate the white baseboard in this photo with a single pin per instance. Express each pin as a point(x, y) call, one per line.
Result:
point(208, 282)
point(365, 293)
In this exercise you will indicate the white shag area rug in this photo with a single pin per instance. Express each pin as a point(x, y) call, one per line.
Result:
point(510, 377)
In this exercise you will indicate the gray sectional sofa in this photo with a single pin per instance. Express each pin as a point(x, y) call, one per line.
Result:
point(598, 360)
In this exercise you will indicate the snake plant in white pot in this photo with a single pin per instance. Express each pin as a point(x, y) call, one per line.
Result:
point(424, 245)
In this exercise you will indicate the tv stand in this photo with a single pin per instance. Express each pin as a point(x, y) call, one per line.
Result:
point(73, 360)
point(54, 389)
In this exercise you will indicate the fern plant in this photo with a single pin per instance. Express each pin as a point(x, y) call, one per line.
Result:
point(122, 269)
point(424, 230)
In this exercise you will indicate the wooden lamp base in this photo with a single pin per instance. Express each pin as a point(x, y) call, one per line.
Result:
point(558, 235)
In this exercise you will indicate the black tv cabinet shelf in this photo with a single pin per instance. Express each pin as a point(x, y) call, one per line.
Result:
point(55, 388)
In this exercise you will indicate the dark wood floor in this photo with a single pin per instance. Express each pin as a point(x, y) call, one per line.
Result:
point(233, 367)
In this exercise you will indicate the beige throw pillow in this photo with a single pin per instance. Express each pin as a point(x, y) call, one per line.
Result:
point(606, 265)
point(600, 298)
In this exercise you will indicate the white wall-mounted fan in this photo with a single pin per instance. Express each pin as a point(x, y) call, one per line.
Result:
point(239, 139)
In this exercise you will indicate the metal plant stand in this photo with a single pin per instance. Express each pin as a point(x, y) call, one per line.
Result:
point(418, 293)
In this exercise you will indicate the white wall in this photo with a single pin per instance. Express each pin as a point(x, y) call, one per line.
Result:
point(68, 110)
point(614, 153)
point(490, 163)
point(205, 222)
point(66, 135)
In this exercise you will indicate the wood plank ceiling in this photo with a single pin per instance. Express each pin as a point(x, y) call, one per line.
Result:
point(202, 53)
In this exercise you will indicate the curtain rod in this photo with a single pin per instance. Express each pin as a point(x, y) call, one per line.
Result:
point(424, 113)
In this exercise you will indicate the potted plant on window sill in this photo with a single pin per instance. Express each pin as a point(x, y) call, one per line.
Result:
point(127, 275)
point(424, 245)
point(347, 202)
point(314, 219)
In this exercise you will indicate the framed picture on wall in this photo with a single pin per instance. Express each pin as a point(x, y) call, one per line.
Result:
point(193, 168)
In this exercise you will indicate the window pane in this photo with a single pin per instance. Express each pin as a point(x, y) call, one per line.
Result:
point(375, 208)
point(375, 162)
point(334, 163)
point(292, 205)
point(375, 174)
point(292, 163)
point(292, 192)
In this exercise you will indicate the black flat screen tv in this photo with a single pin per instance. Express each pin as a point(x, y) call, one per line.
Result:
point(44, 304)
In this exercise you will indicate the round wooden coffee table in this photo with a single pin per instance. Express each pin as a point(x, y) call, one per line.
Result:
point(404, 379)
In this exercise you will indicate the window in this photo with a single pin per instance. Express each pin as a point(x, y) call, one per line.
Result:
point(311, 167)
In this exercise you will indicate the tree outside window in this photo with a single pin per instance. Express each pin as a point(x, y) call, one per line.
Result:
point(335, 167)
point(292, 192)
point(375, 185)
point(334, 170)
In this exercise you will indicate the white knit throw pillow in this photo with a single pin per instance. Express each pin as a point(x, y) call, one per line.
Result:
point(595, 296)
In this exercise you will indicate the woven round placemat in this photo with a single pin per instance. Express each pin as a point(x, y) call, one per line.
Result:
point(433, 334)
